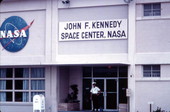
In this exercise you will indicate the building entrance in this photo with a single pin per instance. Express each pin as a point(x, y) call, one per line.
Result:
point(109, 93)
point(112, 80)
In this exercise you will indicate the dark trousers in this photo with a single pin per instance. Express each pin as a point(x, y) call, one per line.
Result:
point(95, 99)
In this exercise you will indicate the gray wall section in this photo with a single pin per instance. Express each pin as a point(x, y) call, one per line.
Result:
point(76, 77)
point(93, 47)
point(63, 83)
point(152, 36)
point(17, 108)
point(152, 33)
point(69, 76)
point(94, 13)
point(152, 91)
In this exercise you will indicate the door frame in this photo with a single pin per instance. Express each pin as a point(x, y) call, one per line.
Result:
point(104, 92)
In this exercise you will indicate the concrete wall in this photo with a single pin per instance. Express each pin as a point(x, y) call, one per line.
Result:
point(69, 75)
point(18, 108)
point(39, 42)
point(154, 90)
point(63, 83)
point(152, 42)
point(76, 78)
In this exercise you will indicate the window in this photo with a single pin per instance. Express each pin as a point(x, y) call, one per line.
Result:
point(151, 70)
point(152, 9)
point(21, 84)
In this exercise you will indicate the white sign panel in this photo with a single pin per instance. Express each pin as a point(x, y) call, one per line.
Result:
point(93, 30)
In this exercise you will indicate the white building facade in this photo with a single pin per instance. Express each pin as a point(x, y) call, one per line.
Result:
point(49, 45)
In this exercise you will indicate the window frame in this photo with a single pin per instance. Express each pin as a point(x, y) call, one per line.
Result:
point(151, 71)
point(29, 91)
point(152, 11)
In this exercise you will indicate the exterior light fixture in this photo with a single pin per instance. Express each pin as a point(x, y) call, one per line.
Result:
point(127, 1)
point(66, 1)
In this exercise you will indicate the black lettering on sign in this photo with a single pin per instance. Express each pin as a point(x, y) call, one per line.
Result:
point(113, 34)
point(72, 26)
point(73, 35)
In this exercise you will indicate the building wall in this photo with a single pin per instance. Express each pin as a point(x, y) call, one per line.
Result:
point(152, 47)
point(70, 75)
point(43, 48)
point(154, 90)
point(39, 42)
point(98, 51)
point(76, 78)
point(93, 47)
point(64, 83)
point(152, 42)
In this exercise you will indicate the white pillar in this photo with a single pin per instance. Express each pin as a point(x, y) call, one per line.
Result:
point(54, 88)
point(131, 52)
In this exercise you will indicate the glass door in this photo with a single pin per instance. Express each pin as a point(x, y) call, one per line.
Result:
point(109, 93)
point(101, 84)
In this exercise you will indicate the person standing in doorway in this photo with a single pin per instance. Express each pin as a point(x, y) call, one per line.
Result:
point(95, 92)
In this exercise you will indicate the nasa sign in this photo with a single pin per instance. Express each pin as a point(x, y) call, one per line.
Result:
point(93, 30)
point(14, 33)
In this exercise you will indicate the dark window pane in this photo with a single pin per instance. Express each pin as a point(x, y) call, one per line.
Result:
point(123, 71)
point(9, 72)
point(147, 67)
point(21, 84)
point(9, 84)
point(148, 13)
point(147, 6)
point(105, 71)
point(86, 94)
point(156, 12)
point(157, 6)
point(21, 96)
point(87, 72)
point(21, 72)
point(111, 101)
point(147, 74)
point(156, 67)
point(111, 85)
point(8, 96)
point(122, 91)
point(156, 74)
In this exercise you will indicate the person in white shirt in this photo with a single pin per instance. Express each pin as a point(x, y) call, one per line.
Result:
point(95, 91)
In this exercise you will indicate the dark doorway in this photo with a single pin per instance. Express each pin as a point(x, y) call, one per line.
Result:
point(112, 80)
